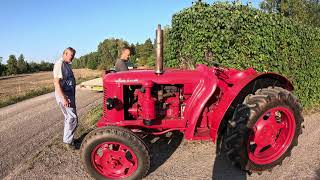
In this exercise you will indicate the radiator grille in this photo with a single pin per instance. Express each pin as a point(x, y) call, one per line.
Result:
point(105, 97)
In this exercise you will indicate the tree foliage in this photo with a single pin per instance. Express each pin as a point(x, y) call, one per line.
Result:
point(22, 64)
point(303, 11)
point(241, 37)
point(109, 50)
point(145, 53)
point(2, 68)
point(12, 67)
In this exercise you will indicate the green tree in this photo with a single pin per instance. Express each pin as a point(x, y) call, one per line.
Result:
point(169, 57)
point(304, 11)
point(133, 56)
point(12, 65)
point(109, 51)
point(145, 53)
point(34, 67)
point(240, 37)
point(2, 68)
point(46, 66)
point(80, 62)
point(21, 64)
point(93, 60)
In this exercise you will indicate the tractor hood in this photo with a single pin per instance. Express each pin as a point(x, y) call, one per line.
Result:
point(170, 76)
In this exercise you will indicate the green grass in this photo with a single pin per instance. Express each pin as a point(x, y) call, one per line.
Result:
point(88, 122)
point(92, 117)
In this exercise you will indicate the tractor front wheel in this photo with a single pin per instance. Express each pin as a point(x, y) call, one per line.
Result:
point(114, 153)
point(264, 129)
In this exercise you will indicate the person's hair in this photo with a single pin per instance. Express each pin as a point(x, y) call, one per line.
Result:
point(122, 50)
point(125, 48)
point(69, 49)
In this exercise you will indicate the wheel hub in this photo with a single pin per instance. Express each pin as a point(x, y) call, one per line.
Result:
point(272, 135)
point(114, 160)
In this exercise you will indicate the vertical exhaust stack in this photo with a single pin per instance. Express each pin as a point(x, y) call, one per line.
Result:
point(159, 51)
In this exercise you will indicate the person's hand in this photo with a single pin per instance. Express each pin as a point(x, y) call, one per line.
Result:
point(66, 102)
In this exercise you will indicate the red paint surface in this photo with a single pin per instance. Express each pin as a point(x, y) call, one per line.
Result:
point(114, 160)
point(199, 86)
point(272, 135)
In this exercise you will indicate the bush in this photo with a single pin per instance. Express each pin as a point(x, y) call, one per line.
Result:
point(239, 36)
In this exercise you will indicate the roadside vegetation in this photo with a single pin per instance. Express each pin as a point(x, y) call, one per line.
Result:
point(239, 36)
point(18, 88)
point(88, 122)
point(21, 66)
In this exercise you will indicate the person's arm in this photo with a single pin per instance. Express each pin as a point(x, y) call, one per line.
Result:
point(57, 77)
point(58, 89)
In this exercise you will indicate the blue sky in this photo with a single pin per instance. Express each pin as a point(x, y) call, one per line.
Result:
point(40, 30)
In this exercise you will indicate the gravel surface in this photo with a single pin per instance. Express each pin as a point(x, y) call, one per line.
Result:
point(26, 127)
point(31, 131)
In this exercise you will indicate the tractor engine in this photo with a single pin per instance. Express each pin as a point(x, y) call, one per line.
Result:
point(149, 102)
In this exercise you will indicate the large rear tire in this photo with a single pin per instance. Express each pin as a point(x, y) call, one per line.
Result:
point(263, 130)
point(114, 153)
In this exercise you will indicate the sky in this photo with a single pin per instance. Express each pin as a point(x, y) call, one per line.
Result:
point(41, 30)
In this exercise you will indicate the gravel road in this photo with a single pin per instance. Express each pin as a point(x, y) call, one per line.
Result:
point(27, 126)
point(31, 148)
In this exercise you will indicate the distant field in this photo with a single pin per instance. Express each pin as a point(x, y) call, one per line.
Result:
point(20, 87)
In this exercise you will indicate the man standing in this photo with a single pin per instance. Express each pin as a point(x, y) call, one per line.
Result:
point(121, 63)
point(65, 89)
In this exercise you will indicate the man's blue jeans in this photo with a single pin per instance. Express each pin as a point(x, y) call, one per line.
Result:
point(70, 119)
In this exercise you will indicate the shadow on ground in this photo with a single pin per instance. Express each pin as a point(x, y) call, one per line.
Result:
point(222, 167)
point(162, 148)
point(318, 174)
point(78, 141)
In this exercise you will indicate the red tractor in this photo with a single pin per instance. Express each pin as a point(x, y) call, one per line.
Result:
point(255, 115)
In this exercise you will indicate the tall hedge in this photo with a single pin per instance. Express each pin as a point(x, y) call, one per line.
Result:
point(240, 36)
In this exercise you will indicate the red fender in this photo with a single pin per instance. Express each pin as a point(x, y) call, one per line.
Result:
point(240, 82)
point(202, 93)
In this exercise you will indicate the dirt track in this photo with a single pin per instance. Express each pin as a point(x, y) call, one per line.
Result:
point(30, 134)
point(28, 126)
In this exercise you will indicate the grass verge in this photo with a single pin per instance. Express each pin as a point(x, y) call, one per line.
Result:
point(87, 123)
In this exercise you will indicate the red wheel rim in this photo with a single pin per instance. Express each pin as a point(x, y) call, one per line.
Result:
point(271, 136)
point(114, 160)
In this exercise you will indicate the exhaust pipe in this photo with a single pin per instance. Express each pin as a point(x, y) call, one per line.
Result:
point(159, 51)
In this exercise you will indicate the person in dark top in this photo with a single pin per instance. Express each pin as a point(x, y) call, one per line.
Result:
point(65, 90)
point(121, 63)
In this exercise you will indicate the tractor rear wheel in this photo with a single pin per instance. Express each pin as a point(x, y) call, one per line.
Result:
point(263, 130)
point(114, 153)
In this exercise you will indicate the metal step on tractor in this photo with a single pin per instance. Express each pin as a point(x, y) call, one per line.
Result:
point(254, 116)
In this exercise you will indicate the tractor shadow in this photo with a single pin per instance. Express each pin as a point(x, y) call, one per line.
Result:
point(78, 141)
point(222, 167)
point(318, 174)
point(81, 136)
point(161, 148)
